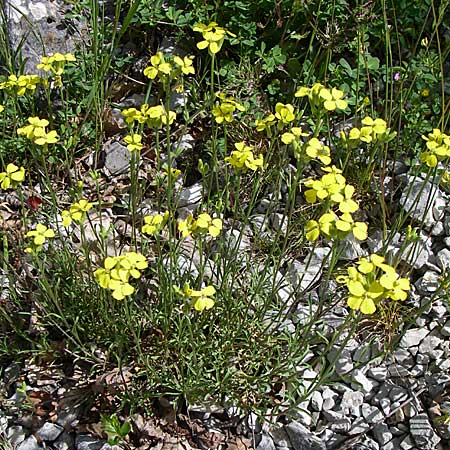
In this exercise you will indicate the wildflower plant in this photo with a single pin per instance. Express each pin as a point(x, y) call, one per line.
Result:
point(76, 213)
point(118, 271)
point(438, 148)
point(55, 64)
point(20, 85)
point(154, 223)
point(213, 37)
point(371, 282)
point(225, 108)
point(199, 299)
point(36, 132)
point(204, 224)
point(243, 159)
point(39, 236)
point(12, 177)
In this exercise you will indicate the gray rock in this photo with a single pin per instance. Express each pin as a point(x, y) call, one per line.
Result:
point(361, 382)
point(378, 373)
point(32, 24)
point(329, 399)
point(15, 434)
point(415, 254)
point(303, 439)
point(351, 401)
point(438, 229)
point(428, 344)
point(337, 421)
point(371, 413)
point(191, 195)
point(279, 222)
point(428, 283)
point(445, 330)
point(423, 201)
point(407, 443)
point(397, 370)
point(30, 443)
point(186, 142)
point(403, 356)
point(280, 437)
point(49, 431)
point(385, 405)
point(382, 434)
point(413, 337)
point(116, 158)
point(350, 248)
point(303, 275)
point(65, 442)
point(344, 362)
point(443, 258)
point(422, 432)
point(266, 443)
point(398, 394)
point(316, 401)
point(359, 426)
point(68, 418)
point(87, 442)
point(362, 354)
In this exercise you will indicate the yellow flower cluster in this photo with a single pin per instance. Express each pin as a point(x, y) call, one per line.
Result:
point(35, 131)
point(117, 271)
point(204, 224)
point(40, 234)
point(76, 213)
point(201, 299)
point(213, 36)
point(55, 64)
point(372, 281)
point(161, 67)
point(320, 98)
point(438, 145)
point(333, 190)
point(225, 108)
point(373, 130)
point(153, 224)
point(12, 177)
point(243, 158)
point(153, 116)
point(20, 84)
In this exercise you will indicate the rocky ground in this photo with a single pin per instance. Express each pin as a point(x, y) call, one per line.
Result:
point(401, 401)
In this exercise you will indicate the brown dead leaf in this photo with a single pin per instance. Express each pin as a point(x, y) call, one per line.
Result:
point(114, 381)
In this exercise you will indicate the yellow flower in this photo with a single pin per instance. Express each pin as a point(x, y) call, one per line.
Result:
point(134, 142)
point(438, 145)
point(425, 92)
point(225, 109)
point(185, 227)
point(12, 177)
point(315, 149)
point(2, 108)
point(185, 64)
point(284, 113)
point(35, 131)
point(77, 212)
point(40, 234)
point(154, 223)
point(201, 299)
point(213, 36)
point(243, 158)
point(158, 66)
point(205, 223)
point(333, 100)
point(116, 273)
